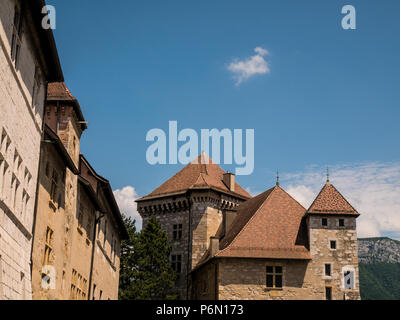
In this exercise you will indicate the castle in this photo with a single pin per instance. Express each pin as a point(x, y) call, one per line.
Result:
point(228, 245)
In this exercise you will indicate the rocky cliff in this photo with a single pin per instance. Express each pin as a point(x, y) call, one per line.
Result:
point(377, 250)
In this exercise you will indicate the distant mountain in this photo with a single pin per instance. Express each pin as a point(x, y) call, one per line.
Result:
point(379, 260)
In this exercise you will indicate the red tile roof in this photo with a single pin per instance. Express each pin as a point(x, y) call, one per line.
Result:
point(202, 173)
point(330, 201)
point(59, 91)
point(270, 225)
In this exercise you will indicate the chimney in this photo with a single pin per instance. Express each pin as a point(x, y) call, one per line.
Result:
point(214, 246)
point(229, 217)
point(229, 180)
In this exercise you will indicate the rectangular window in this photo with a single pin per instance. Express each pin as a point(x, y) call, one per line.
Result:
point(48, 249)
point(78, 286)
point(333, 244)
point(341, 222)
point(274, 277)
point(105, 233)
point(4, 179)
point(36, 87)
point(324, 222)
point(328, 269)
point(328, 293)
point(177, 233)
point(349, 280)
point(94, 292)
point(54, 185)
point(2, 173)
point(16, 40)
point(115, 249)
point(176, 261)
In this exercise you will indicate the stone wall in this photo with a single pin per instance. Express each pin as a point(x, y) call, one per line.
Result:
point(106, 263)
point(199, 223)
point(239, 279)
point(19, 157)
point(51, 214)
point(245, 279)
point(344, 258)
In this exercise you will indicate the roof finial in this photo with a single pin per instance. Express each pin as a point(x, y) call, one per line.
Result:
point(277, 178)
point(327, 176)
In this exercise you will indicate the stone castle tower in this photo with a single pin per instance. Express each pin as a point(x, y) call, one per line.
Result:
point(331, 222)
point(192, 206)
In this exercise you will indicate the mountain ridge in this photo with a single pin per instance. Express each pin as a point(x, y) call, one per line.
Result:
point(379, 265)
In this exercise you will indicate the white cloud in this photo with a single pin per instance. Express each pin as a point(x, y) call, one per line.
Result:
point(372, 188)
point(244, 69)
point(125, 198)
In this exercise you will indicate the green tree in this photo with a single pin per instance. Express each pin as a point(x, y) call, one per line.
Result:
point(146, 272)
point(126, 272)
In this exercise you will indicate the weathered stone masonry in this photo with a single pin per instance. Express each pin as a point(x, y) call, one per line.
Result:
point(28, 60)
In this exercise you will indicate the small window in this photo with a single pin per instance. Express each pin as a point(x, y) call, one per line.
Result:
point(341, 222)
point(36, 87)
point(324, 222)
point(105, 233)
point(328, 293)
point(16, 40)
point(333, 244)
point(48, 249)
point(176, 261)
point(177, 232)
point(349, 280)
point(328, 269)
point(274, 278)
point(47, 171)
point(94, 292)
point(54, 186)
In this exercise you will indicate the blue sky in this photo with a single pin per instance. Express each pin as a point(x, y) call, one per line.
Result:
point(330, 98)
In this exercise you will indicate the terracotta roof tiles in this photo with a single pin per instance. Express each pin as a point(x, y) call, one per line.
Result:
point(270, 225)
point(330, 201)
point(202, 173)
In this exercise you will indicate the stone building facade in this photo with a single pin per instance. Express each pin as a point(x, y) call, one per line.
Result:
point(73, 257)
point(277, 250)
point(266, 247)
point(191, 207)
point(28, 60)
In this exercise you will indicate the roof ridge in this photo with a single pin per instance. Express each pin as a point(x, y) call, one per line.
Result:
point(292, 198)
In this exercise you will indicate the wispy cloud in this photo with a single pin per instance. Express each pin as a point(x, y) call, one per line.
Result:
point(125, 198)
point(244, 69)
point(372, 188)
